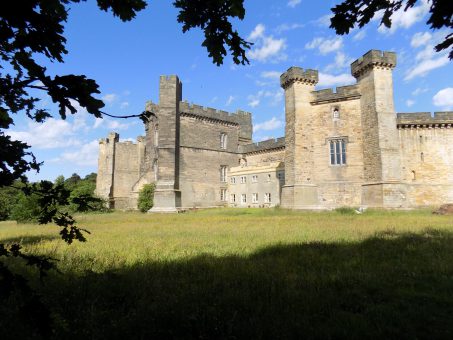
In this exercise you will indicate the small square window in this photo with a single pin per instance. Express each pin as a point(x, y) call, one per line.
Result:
point(255, 178)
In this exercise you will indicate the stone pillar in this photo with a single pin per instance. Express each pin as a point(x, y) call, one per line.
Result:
point(106, 166)
point(299, 190)
point(167, 197)
point(382, 162)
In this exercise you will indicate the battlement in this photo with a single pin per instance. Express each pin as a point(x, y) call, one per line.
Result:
point(342, 93)
point(373, 58)
point(424, 119)
point(208, 112)
point(151, 107)
point(113, 137)
point(297, 74)
point(269, 144)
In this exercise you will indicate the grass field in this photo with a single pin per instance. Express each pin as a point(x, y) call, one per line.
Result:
point(246, 273)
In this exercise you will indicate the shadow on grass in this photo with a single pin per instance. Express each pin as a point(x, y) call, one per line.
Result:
point(392, 285)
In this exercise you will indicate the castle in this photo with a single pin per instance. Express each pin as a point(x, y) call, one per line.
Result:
point(341, 148)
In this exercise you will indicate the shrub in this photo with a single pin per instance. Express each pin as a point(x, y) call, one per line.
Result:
point(346, 211)
point(145, 197)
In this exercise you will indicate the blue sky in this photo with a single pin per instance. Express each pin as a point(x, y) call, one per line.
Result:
point(126, 59)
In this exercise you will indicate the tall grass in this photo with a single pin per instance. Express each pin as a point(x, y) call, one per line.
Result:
point(247, 273)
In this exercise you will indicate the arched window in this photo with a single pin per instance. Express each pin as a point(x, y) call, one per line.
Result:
point(413, 175)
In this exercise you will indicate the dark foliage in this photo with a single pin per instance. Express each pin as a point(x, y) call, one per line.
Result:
point(352, 12)
point(146, 197)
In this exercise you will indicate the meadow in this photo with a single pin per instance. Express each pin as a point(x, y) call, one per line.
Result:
point(244, 273)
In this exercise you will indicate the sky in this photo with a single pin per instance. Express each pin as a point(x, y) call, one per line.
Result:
point(126, 60)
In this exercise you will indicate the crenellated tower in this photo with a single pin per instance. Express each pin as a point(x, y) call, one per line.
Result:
point(381, 155)
point(167, 196)
point(298, 189)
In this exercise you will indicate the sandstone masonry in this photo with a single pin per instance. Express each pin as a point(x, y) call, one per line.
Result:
point(341, 148)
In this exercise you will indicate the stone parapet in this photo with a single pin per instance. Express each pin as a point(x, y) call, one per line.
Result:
point(209, 112)
point(269, 144)
point(342, 93)
point(151, 107)
point(373, 58)
point(424, 119)
point(297, 74)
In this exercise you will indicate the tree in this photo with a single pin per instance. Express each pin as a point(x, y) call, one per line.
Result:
point(360, 12)
point(32, 31)
point(146, 197)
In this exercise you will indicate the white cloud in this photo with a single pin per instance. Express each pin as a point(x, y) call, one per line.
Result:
point(294, 3)
point(86, 155)
point(324, 45)
point(266, 46)
point(410, 102)
point(275, 97)
point(123, 105)
point(324, 21)
point(268, 125)
point(110, 98)
point(426, 66)
point(111, 124)
point(360, 35)
point(230, 100)
point(271, 74)
point(331, 80)
point(426, 59)
point(53, 133)
point(288, 27)
point(405, 19)
point(420, 39)
point(341, 62)
point(444, 98)
point(418, 91)
point(257, 32)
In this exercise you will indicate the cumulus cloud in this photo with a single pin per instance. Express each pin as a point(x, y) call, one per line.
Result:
point(275, 97)
point(325, 46)
point(85, 155)
point(294, 3)
point(110, 98)
point(267, 47)
point(426, 59)
point(326, 79)
point(324, 21)
point(341, 62)
point(410, 102)
point(53, 133)
point(360, 35)
point(405, 19)
point(123, 105)
point(444, 98)
point(271, 74)
point(268, 125)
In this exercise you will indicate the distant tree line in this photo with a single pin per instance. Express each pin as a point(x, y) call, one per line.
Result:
point(17, 204)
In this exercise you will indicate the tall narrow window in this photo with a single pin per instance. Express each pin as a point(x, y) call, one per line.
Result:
point(156, 135)
point(243, 198)
point(223, 173)
point(223, 195)
point(255, 197)
point(267, 197)
point(223, 140)
point(338, 152)
point(233, 198)
point(336, 113)
point(422, 157)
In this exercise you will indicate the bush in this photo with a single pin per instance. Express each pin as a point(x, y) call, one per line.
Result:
point(27, 208)
point(145, 197)
point(346, 211)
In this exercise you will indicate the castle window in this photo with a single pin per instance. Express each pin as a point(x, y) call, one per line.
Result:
point(255, 178)
point(255, 197)
point(413, 175)
point(281, 175)
point(422, 157)
point(233, 198)
point(223, 196)
point(223, 140)
point(267, 197)
point(336, 113)
point(233, 180)
point(337, 152)
point(243, 179)
point(269, 177)
point(156, 135)
point(243, 198)
point(223, 173)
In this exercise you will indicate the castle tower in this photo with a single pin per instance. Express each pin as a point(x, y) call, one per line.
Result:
point(382, 164)
point(298, 191)
point(167, 197)
point(106, 166)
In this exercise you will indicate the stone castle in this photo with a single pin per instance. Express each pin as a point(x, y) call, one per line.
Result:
point(341, 148)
